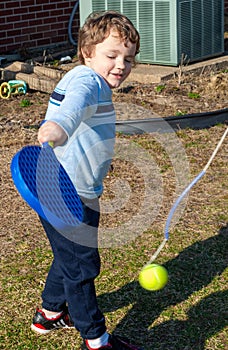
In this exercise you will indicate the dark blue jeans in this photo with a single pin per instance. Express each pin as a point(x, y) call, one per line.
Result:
point(70, 280)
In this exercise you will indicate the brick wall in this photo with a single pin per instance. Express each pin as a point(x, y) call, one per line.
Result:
point(28, 24)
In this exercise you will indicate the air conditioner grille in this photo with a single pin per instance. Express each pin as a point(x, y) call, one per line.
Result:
point(162, 30)
point(200, 28)
point(98, 5)
point(170, 29)
point(146, 30)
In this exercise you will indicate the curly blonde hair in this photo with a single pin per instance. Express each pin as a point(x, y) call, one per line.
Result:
point(97, 28)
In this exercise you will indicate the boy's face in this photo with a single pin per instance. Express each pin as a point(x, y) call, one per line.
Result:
point(112, 59)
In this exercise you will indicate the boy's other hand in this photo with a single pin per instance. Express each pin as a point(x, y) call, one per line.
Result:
point(51, 131)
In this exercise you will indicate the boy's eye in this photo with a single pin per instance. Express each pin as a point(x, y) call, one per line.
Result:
point(129, 60)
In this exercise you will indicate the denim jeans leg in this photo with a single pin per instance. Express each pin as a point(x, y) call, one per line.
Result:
point(54, 290)
point(71, 278)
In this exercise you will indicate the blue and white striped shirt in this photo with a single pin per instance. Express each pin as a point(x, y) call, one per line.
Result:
point(82, 105)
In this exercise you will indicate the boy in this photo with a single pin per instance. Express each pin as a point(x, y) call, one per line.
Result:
point(80, 121)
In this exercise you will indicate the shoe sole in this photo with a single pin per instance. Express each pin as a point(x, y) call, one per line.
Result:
point(46, 331)
point(40, 330)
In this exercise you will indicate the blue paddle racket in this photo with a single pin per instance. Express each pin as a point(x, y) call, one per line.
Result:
point(44, 184)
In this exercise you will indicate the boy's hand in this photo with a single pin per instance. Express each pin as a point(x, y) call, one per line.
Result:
point(50, 131)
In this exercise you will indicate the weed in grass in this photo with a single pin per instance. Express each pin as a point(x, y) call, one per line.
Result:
point(191, 144)
point(193, 95)
point(180, 113)
point(159, 88)
point(25, 103)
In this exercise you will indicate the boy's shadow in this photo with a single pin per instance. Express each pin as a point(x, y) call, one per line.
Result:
point(194, 268)
point(205, 319)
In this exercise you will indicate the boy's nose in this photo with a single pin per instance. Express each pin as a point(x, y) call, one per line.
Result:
point(120, 64)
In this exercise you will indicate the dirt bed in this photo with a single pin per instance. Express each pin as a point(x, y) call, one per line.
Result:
point(195, 94)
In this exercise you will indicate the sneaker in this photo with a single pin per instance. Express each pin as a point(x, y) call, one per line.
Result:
point(43, 325)
point(116, 343)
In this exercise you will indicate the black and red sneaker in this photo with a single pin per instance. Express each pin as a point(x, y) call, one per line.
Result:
point(116, 343)
point(43, 325)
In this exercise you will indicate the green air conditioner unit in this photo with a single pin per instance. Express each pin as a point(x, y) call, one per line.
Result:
point(170, 29)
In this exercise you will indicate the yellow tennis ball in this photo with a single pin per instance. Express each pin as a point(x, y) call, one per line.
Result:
point(153, 277)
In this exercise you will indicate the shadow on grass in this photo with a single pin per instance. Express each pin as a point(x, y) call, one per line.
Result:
point(193, 269)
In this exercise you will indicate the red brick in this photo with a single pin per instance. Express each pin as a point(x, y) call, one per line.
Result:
point(41, 2)
point(33, 9)
point(27, 3)
point(21, 38)
point(21, 24)
point(5, 42)
point(63, 5)
point(3, 35)
point(49, 7)
point(10, 47)
point(6, 12)
point(35, 22)
point(5, 27)
point(12, 4)
point(30, 16)
point(20, 10)
point(13, 33)
point(14, 18)
point(35, 36)
point(63, 31)
point(49, 20)
point(3, 21)
point(43, 28)
point(57, 40)
point(56, 13)
point(28, 30)
point(50, 34)
point(42, 15)
point(63, 18)
point(56, 26)
point(43, 42)
point(55, 1)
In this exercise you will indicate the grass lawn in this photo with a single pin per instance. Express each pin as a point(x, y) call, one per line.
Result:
point(190, 313)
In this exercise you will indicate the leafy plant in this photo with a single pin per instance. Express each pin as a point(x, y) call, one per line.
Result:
point(159, 88)
point(180, 113)
point(25, 103)
point(193, 95)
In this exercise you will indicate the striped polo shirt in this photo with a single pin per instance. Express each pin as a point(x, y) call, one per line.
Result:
point(82, 105)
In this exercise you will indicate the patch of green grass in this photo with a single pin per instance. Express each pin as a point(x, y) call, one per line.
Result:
point(25, 103)
point(191, 144)
point(159, 88)
point(54, 63)
point(180, 113)
point(193, 95)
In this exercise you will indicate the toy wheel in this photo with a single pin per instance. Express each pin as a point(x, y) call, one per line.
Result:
point(5, 90)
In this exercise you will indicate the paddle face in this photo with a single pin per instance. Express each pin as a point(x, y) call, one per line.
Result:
point(44, 184)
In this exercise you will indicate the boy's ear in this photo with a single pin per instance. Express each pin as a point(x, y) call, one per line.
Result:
point(86, 55)
point(87, 58)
